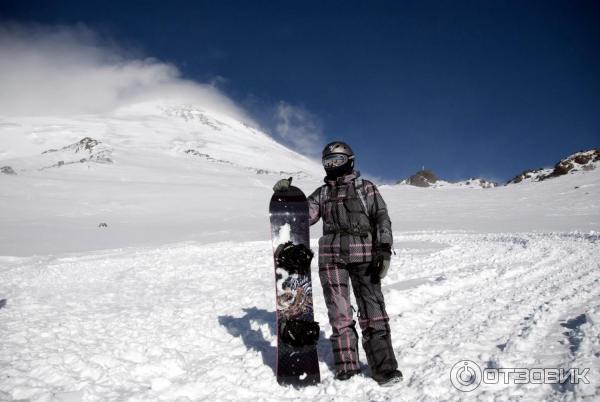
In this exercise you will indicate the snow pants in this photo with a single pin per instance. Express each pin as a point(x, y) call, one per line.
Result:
point(372, 317)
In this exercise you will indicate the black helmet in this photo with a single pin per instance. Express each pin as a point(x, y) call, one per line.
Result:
point(337, 159)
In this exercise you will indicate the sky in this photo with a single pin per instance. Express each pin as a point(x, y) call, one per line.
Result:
point(464, 88)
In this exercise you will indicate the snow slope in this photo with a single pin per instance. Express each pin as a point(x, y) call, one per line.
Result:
point(188, 321)
point(173, 300)
point(565, 203)
point(174, 173)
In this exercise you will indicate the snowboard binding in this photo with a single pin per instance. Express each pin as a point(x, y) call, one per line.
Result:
point(299, 333)
point(295, 258)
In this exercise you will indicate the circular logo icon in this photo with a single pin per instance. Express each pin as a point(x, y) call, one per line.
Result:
point(465, 375)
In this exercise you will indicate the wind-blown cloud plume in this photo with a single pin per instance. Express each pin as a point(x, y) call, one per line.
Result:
point(73, 70)
point(299, 128)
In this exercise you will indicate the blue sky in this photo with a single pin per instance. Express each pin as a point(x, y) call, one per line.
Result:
point(464, 88)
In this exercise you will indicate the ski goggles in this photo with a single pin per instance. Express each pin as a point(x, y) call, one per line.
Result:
point(335, 160)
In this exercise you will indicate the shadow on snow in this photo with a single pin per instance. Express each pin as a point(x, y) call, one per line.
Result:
point(241, 327)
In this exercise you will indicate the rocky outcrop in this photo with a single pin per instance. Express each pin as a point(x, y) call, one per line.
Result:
point(580, 161)
point(529, 175)
point(478, 182)
point(85, 150)
point(423, 178)
point(86, 144)
point(7, 170)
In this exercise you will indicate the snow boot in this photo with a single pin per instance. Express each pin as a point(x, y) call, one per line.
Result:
point(390, 378)
point(346, 375)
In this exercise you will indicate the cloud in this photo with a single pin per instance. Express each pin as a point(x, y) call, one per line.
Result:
point(299, 128)
point(73, 70)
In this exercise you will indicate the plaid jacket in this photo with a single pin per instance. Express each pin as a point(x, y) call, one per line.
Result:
point(354, 217)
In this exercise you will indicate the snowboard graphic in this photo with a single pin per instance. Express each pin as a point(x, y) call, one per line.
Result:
point(297, 333)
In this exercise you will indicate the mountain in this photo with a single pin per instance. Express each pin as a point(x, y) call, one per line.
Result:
point(582, 161)
point(152, 172)
point(153, 128)
point(426, 178)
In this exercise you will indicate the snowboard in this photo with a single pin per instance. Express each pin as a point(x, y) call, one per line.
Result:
point(297, 332)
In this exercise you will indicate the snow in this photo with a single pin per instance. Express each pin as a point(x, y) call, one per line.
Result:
point(565, 203)
point(283, 235)
point(174, 299)
point(187, 320)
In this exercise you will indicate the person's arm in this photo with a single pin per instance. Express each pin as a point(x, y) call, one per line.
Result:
point(314, 209)
point(383, 244)
point(379, 214)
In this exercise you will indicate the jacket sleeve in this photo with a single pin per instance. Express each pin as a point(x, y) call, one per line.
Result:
point(379, 214)
point(314, 209)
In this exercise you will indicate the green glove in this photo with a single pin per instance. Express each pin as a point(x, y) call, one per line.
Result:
point(385, 265)
point(282, 185)
point(382, 257)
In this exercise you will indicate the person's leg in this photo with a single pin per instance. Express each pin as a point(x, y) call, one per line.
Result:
point(373, 321)
point(344, 339)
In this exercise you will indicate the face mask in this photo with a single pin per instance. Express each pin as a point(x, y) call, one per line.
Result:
point(339, 171)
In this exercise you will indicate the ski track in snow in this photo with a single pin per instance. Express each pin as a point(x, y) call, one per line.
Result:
point(193, 321)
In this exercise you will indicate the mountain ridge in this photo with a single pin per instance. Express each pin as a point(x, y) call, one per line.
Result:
point(581, 161)
point(578, 161)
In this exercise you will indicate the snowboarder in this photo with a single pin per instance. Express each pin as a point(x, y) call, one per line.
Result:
point(356, 247)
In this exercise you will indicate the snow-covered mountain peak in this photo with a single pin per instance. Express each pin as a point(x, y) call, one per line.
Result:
point(163, 129)
point(189, 111)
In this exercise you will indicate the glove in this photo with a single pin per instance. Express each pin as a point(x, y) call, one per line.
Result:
point(381, 259)
point(282, 185)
